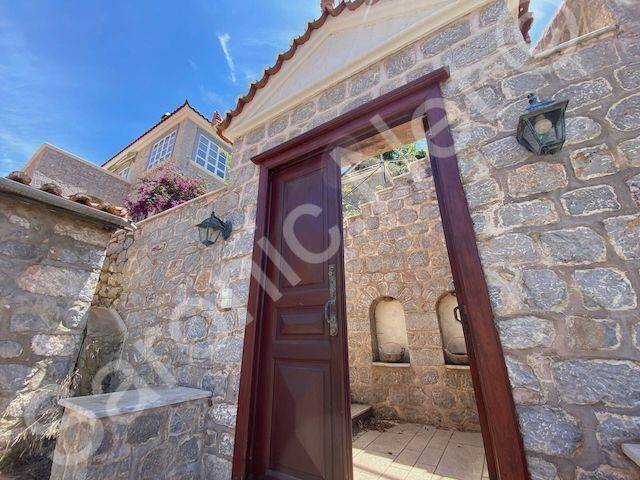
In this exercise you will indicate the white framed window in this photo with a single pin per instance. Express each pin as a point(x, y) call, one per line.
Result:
point(161, 150)
point(210, 156)
point(124, 173)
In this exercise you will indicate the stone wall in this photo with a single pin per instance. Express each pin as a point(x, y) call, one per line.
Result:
point(49, 266)
point(395, 248)
point(164, 285)
point(75, 175)
point(157, 443)
point(557, 234)
point(576, 18)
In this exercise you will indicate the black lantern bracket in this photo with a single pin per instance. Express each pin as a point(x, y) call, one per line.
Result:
point(542, 128)
point(210, 229)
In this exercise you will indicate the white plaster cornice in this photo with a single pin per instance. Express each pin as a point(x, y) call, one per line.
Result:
point(440, 13)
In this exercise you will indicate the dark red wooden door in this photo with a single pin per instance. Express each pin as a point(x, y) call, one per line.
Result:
point(301, 418)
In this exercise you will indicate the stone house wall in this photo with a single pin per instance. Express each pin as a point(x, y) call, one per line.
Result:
point(164, 285)
point(557, 235)
point(558, 239)
point(49, 266)
point(182, 155)
point(75, 175)
point(395, 248)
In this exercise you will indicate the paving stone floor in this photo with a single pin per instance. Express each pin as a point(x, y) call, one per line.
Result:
point(408, 451)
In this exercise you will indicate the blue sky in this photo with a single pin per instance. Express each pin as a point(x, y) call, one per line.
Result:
point(89, 77)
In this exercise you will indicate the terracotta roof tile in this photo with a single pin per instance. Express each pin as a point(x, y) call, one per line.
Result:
point(523, 14)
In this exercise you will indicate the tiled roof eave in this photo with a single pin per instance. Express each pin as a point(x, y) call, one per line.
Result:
point(523, 15)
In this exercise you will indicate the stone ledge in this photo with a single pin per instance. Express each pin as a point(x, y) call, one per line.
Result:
point(632, 450)
point(391, 365)
point(130, 401)
point(32, 194)
point(457, 367)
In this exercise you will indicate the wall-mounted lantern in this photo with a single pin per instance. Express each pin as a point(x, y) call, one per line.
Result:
point(211, 228)
point(541, 129)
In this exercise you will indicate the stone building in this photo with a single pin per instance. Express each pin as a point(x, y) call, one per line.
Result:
point(184, 138)
point(557, 237)
point(51, 254)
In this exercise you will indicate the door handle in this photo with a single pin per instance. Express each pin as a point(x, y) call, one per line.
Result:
point(330, 314)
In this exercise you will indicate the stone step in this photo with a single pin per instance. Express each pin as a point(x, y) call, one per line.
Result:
point(632, 450)
point(359, 410)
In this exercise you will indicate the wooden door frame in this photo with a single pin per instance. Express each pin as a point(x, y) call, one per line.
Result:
point(500, 431)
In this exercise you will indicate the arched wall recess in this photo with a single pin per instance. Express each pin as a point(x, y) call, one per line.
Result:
point(453, 344)
point(389, 331)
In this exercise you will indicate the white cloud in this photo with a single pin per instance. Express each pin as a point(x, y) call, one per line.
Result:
point(224, 43)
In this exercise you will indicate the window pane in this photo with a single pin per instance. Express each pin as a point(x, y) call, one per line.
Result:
point(210, 156)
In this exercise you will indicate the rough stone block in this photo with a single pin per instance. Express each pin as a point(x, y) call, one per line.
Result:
point(550, 431)
point(585, 93)
point(505, 152)
point(540, 469)
point(526, 332)
point(217, 467)
point(442, 40)
point(535, 212)
point(634, 188)
point(400, 62)
point(543, 289)
point(581, 129)
point(625, 235)
point(522, 84)
point(224, 414)
point(13, 376)
point(605, 472)
point(605, 288)
point(145, 427)
point(521, 375)
point(483, 101)
point(574, 246)
point(482, 192)
point(592, 162)
point(629, 76)
point(510, 248)
point(587, 334)
point(587, 61)
point(472, 134)
point(590, 200)
point(255, 136)
point(631, 150)
point(55, 345)
point(278, 125)
point(625, 114)
point(363, 81)
point(59, 282)
point(494, 12)
point(303, 113)
point(614, 429)
point(10, 349)
point(586, 382)
point(536, 178)
point(480, 46)
point(332, 96)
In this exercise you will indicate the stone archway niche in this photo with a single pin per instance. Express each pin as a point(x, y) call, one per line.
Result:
point(390, 341)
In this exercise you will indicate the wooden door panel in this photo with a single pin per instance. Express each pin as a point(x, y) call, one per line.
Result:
point(297, 194)
point(300, 419)
point(301, 321)
point(300, 415)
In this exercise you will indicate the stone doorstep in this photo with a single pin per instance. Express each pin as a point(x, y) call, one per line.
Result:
point(130, 401)
point(632, 450)
point(359, 410)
